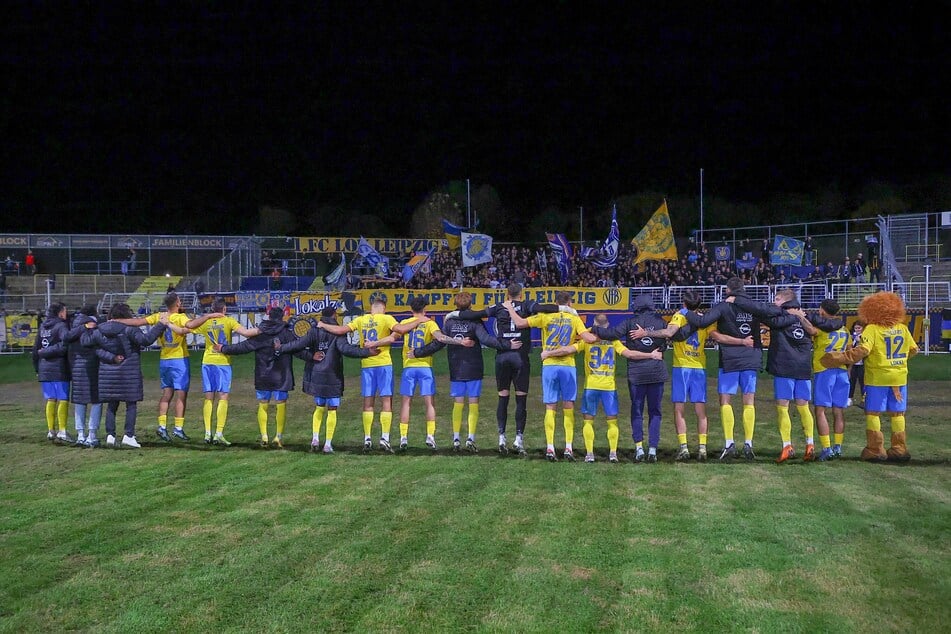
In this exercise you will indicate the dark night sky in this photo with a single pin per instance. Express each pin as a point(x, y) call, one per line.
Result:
point(175, 117)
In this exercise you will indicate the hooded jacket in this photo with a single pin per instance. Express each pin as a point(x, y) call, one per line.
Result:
point(640, 371)
point(271, 372)
point(736, 322)
point(790, 347)
point(120, 381)
point(465, 364)
point(83, 363)
point(49, 350)
point(504, 328)
point(324, 378)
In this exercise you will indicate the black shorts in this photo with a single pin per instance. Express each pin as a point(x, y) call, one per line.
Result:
point(513, 367)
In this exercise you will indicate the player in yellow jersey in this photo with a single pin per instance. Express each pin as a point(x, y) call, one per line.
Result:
point(831, 385)
point(376, 376)
point(216, 367)
point(600, 361)
point(886, 345)
point(689, 375)
point(559, 379)
point(418, 371)
point(174, 371)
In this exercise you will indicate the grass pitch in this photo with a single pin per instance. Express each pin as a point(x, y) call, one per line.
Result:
point(187, 537)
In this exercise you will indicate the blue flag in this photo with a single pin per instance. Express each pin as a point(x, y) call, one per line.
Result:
point(562, 251)
point(787, 250)
point(416, 263)
point(607, 257)
point(373, 258)
point(337, 279)
point(722, 253)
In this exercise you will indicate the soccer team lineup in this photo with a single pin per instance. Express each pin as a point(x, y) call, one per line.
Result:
point(95, 362)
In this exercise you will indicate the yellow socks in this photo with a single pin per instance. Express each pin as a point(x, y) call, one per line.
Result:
point(386, 422)
point(222, 416)
point(682, 439)
point(824, 441)
point(569, 426)
point(898, 424)
point(404, 430)
point(749, 422)
point(207, 407)
point(281, 416)
point(262, 419)
point(51, 415)
point(703, 439)
point(62, 410)
point(179, 422)
point(838, 438)
point(473, 419)
point(726, 416)
point(785, 424)
point(317, 419)
point(430, 428)
point(331, 424)
point(588, 432)
point(457, 417)
point(808, 422)
point(873, 423)
point(612, 434)
point(550, 427)
point(367, 423)
point(162, 419)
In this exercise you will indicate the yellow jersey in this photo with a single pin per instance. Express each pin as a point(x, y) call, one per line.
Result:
point(600, 360)
point(416, 338)
point(690, 352)
point(558, 329)
point(217, 330)
point(373, 328)
point(173, 345)
point(888, 350)
point(823, 342)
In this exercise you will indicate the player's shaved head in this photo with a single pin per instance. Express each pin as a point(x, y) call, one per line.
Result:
point(514, 290)
point(601, 320)
point(463, 300)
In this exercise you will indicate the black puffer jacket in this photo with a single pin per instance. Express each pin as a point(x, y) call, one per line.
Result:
point(640, 371)
point(83, 363)
point(735, 322)
point(120, 381)
point(790, 348)
point(324, 378)
point(271, 372)
point(49, 350)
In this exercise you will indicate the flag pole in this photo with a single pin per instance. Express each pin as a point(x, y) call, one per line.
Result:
point(468, 205)
point(581, 226)
point(701, 209)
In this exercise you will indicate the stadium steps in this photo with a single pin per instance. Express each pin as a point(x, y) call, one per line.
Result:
point(153, 288)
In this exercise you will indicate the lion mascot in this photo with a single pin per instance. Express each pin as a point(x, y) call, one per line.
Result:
point(886, 346)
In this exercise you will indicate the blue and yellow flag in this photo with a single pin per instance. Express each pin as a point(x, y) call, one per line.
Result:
point(656, 240)
point(453, 233)
point(786, 250)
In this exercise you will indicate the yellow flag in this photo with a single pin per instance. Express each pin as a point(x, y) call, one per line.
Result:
point(656, 239)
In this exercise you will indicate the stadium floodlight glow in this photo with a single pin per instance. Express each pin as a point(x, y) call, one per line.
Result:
point(168, 275)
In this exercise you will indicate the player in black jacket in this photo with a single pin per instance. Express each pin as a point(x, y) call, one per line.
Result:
point(52, 370)
point(273, 374)
point(738, 365)
point(789, 361)
point(511, 366)
point(323, 354)
point(466, 368)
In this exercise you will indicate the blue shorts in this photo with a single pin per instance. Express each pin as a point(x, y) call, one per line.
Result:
point(559, 383)
point(377, 381)
point(882, 399)
point(792, 389)
point(730, 382)
point(267, 395)
point(831, 388)
point(591, 398)
point(472, 389)
point(175, 374)
point(58, 390)
point(688, 385)
point(216, 378)
point(320, 401)
point(421, 377)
